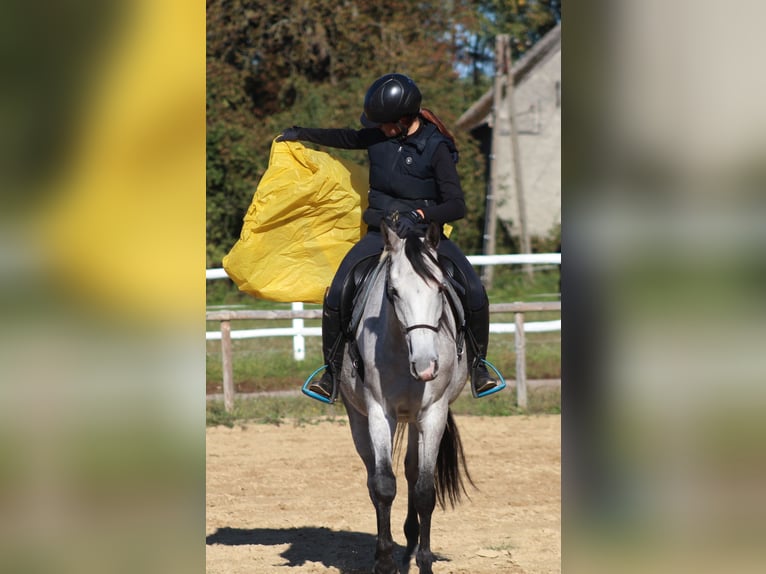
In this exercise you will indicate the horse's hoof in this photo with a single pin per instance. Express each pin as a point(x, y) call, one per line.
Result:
point(424, 560)
point(385, 567)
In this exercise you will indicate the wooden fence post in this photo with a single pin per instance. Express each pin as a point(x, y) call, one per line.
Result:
point(521, 361)
point(299, 341)
point(228, 371)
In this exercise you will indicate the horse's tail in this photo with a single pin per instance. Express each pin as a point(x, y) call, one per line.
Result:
point(451, 466)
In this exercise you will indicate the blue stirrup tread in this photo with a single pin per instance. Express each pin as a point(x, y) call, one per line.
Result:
point(312, 394)
point(496, 389)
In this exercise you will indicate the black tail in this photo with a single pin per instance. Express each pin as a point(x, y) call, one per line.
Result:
point(451, 466)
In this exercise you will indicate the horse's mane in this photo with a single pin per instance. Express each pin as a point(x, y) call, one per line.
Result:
point(416, 251)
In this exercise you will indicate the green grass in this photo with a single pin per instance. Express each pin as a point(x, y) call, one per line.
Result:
point(267, 364)
point(301, 410)
point(297, 411)
point(539, 401)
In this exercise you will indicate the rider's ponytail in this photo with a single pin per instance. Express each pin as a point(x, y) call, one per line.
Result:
point(431, 117)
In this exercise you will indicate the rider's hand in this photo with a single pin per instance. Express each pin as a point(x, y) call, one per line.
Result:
point(406, 222)
point(289, 135)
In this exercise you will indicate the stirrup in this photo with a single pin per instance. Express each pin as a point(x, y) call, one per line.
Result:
point(501, 384)
point(317, 396)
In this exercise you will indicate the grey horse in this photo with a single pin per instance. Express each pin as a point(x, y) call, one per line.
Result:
point(405, 370)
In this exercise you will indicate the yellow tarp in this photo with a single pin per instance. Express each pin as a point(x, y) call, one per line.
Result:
point(305, 215)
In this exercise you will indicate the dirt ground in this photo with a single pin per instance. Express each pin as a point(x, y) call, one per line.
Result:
point(294, 499)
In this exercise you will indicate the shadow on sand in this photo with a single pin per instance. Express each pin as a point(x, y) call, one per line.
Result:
point(349, 552)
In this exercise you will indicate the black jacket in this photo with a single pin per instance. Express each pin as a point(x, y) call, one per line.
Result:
point(417, 172)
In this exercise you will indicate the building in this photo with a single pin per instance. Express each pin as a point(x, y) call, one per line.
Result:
point(537, 103)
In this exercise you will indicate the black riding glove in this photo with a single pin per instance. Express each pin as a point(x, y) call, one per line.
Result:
point(406, 222)
point(289, 135)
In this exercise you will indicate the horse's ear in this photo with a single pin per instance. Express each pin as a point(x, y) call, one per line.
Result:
point(390, 239)
point(434, 235)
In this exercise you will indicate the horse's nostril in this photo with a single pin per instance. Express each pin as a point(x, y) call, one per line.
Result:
point(427, 374)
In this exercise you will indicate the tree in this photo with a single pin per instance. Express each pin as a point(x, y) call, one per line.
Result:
point(525, 21)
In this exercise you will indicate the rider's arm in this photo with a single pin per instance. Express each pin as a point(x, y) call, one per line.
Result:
point(452, 202)
point(341, 138)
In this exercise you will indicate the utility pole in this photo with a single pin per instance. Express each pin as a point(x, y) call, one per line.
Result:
point(518, 181)
point(504, 144)
point(490, 213)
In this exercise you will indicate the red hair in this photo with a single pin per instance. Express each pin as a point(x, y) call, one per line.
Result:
point(431, 117)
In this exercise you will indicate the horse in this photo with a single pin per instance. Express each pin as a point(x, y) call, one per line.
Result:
point(403, 369)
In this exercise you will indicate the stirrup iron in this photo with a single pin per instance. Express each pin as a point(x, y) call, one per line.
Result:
point(309, 393)
point(501, 384)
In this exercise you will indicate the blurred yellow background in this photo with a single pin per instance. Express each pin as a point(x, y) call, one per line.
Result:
point(102, 291)
point(125, 226)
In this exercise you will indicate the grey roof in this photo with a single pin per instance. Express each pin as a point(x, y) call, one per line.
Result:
point(477, 113)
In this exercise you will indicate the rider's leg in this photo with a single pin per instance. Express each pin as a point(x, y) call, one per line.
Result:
point(476, 307)
point(477, 321)
point(332, 347)
point(338, 296)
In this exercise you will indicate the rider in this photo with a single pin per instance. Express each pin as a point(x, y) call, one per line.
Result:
point(412, 171)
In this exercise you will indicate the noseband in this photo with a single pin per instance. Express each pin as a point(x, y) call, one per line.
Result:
point(421, 326)
point(390, 297)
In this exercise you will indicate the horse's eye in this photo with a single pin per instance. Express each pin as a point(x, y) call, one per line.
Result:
point(393, 293)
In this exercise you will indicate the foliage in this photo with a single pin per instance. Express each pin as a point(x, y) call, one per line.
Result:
point(216, 415)
point(232, 172)
point(524, 21)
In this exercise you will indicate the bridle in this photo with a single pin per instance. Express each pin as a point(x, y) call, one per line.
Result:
point(421, 326)
point(390, 297)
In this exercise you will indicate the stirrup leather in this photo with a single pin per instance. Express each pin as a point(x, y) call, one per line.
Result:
point(501, 384)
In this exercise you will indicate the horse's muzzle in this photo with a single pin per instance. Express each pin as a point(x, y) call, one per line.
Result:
point(427, 374)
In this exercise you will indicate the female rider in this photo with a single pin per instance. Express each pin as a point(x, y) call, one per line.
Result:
point(412, 171)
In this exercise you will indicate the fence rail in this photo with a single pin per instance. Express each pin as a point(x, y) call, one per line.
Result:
point(267, 314)
point(519, 330)
point(505, 259)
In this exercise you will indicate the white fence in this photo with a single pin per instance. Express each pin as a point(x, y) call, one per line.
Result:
point(298, 331)
point(512, 259)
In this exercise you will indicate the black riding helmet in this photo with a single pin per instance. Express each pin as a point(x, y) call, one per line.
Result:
point(390, 98)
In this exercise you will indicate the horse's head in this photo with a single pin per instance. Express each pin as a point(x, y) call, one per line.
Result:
point(414, 287)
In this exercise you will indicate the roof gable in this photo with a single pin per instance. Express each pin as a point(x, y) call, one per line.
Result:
point(540, 52)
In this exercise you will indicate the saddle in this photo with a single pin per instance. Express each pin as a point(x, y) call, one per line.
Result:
point(356, 291)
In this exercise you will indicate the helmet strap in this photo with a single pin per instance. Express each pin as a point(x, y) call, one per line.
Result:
point(404, 128)
point(402, 131)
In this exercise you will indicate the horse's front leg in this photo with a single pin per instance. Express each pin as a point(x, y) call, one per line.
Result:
point(431, 432)
point(411, 523)
point(381, 483)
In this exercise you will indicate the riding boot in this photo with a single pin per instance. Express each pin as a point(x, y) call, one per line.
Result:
point(332, 347)
point(478, 333)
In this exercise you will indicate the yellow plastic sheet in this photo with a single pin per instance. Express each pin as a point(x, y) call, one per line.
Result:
point(305, 215)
